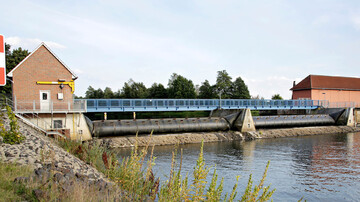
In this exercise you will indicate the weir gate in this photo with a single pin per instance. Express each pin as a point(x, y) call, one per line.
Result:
point(158, 105)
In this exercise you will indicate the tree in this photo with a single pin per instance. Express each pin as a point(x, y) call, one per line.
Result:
point(180, 87)
point(99, 93)
point(158, 91)
point(118, 94)
point(207, 91)
point(223, 84)
point(276, 97)
point(134, 89)
point(108, 93)
point(12, 58)
point(240, 89)
point(90, 93)
point(78, 97)
point(257, 97)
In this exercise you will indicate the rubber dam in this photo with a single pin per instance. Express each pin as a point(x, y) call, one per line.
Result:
point(219, 120)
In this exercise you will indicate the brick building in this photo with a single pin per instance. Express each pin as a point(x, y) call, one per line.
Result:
point(39, 66)
point(339, 91)
point(43, 86)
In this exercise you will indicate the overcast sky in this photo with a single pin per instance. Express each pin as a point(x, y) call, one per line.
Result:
point(267, 43)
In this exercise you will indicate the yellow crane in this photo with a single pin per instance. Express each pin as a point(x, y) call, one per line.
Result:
point(71, 83)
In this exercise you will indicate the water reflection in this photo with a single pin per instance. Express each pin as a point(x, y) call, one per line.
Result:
point(319, 168)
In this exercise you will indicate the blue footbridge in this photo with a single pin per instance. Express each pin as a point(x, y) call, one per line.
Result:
point(158, 105)
point(234, 115)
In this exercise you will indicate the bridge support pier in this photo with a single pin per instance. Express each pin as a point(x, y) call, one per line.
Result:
point(245, 123)
point(240, 119)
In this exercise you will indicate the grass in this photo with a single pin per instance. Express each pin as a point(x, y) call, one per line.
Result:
point(10, 191)
point(53, 191)
point(134, 175)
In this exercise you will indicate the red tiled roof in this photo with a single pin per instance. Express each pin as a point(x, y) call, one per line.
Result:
point(328, 82)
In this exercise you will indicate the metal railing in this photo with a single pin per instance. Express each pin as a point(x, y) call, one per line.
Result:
point(343, 104)
point(133, 105)
point(36, 106)
point(40, 124)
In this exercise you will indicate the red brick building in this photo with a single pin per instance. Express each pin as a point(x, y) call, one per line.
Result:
point(42, 65)
point(43, 86)
point(339, 91)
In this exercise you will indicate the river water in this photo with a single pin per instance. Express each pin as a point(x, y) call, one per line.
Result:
point(317, 168)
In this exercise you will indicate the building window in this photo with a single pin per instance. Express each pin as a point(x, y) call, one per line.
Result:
point(58, 124)
point(44, 96)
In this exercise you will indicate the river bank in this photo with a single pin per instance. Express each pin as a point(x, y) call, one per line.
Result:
point(188, 138)
point(51, 164)
point(57, 175)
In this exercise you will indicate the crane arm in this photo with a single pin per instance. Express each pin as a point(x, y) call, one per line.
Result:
point(71, 84)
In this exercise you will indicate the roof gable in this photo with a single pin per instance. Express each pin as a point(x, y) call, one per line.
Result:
point(10, 74)
point(328, 82)
point(304, 84)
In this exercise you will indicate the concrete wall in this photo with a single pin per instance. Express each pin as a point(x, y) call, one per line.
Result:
point(245, 122)
point(75, 123)
point(40, 66)
point(357, 116)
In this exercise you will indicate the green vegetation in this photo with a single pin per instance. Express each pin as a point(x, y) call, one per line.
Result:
point(181, 87)
point(158, 91)
point(178, 87)
point(207, 91)
point(255, 113)
point(13, 135)
point(223, 84)
point(28, 188)
point(10, 191)
point(134, 175)
point(134, 89)
point(276, 97)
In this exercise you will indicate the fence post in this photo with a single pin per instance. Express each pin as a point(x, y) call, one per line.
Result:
point(15, 103)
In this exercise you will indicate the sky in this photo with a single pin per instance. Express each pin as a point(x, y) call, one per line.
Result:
point(269, 44)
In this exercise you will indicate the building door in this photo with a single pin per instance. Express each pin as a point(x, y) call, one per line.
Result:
point(44, 100)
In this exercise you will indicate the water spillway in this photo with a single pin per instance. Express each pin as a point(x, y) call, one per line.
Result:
point(240, 120)
point(145, 126)
point(293, 120)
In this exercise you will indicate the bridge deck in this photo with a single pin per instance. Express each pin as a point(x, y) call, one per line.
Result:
point(156, 105)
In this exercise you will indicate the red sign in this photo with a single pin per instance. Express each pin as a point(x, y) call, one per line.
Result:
point(2, 62)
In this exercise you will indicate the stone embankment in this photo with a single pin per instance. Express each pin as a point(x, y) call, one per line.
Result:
point(187, 138)
point(50, 160)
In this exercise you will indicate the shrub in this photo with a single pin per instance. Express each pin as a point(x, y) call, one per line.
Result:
point(13, 135)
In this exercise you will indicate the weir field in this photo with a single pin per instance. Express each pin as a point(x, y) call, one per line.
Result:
point(101, 147)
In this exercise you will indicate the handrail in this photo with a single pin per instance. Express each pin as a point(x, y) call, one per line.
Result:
point(35, 106)
point(27, 116)
point(196, 104)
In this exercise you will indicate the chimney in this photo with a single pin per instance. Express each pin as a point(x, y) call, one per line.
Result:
point(294, 83)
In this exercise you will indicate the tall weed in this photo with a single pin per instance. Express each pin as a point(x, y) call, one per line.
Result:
point(134, 175)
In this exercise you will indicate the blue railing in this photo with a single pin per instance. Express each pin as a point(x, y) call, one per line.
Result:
point(143, 105)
